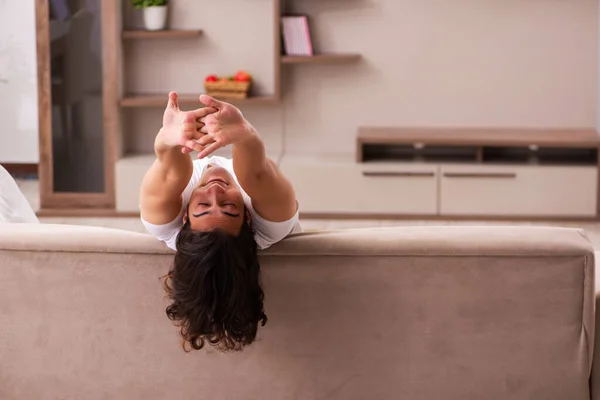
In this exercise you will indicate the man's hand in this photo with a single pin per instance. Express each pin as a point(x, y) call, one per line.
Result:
point(181, 128)
point(169, 175)
point(221, 128)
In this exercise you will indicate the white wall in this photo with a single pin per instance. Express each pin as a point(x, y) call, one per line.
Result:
point(18, 83)
point(498, 63)
point(426, 63)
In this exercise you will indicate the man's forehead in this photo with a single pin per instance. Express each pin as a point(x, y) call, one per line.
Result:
point(213, 221)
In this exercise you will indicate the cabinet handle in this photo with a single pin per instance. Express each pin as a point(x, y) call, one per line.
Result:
point(501, 175)
point(407, 174)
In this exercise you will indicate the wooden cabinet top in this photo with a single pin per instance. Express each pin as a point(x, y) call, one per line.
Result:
point(560, 137)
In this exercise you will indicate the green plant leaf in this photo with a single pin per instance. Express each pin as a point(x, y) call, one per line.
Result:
point(149, 3)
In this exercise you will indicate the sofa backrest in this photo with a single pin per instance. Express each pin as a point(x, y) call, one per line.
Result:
point(399, 313)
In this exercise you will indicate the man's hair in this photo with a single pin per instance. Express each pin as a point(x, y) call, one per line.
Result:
point(214, 288)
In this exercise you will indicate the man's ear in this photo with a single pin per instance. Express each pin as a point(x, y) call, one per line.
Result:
point(185, 217)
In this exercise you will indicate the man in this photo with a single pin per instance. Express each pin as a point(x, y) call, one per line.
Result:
point(216, 213)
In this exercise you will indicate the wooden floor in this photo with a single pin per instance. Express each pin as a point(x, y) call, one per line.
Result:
point(30, 189)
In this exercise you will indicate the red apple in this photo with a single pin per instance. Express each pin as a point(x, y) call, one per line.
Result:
point(243, 76)
point(212, 78)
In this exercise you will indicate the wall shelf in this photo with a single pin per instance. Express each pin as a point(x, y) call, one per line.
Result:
point(165, 34)
point(472, 136)
point(321, 59)
point(160, 100)
point(499, 145)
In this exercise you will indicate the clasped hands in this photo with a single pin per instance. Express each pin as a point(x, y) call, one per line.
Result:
point(205, 129)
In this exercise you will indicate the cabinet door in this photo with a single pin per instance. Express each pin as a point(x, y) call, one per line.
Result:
point(519, 190)
point(348, 187)
point(75, 158)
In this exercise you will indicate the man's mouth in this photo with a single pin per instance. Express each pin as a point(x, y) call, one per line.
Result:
point(216, 180)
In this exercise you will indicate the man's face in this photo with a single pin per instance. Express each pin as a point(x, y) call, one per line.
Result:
point(217, 203)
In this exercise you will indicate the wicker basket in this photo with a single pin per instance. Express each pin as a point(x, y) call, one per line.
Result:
point(228, 89)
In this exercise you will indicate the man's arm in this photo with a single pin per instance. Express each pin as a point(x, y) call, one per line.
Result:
point(165, 181)
point(271, 192)
point(163, 184)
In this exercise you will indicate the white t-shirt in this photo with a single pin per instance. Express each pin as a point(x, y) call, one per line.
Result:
point(266, 232)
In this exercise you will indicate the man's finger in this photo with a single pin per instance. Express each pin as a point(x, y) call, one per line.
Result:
point(211, 102)
point(173, 101)
point(209, 150)
point(203, 112)
point(186, 150)
point(188, 131)
point(189, 117)
point(204, 130)
point(193, 145)
point(205, 140)
point(198, 135)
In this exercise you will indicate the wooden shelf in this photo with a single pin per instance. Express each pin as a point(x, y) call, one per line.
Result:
point(552, 137)
point(321, 59)
point(166, 34)
point(160, 100)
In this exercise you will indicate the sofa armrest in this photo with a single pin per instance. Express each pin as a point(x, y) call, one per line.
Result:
point(77, 239)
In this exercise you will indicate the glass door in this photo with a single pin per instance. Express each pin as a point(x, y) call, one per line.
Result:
point(74, 167)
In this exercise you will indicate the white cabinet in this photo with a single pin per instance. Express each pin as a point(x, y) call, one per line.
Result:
point(488, 172)
point(329, 185)
point(338, 185)
point(129, 173)
point(526, 190)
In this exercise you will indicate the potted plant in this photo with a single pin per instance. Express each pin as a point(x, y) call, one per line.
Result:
point(155, 13)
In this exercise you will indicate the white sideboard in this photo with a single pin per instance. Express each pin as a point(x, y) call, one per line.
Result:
point(458, 172)
point(336, 185)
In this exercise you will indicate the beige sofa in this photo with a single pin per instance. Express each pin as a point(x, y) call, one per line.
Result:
point(407, 313)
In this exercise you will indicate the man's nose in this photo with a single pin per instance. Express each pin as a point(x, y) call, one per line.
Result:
point(215, 189)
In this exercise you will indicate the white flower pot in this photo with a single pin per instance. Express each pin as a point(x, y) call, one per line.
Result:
point(155, 18)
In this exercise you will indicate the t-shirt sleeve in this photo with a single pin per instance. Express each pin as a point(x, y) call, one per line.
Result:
point(267, 233)
point(167, 232)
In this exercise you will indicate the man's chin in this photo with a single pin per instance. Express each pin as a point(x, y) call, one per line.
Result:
point(216, 173)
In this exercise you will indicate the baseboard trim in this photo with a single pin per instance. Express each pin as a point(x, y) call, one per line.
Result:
point(21, 169)
point(429, 217)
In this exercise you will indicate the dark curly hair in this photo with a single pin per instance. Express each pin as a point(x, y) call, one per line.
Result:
point(214, 288)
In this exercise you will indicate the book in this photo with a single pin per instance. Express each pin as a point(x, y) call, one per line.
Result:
point(296, 36)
